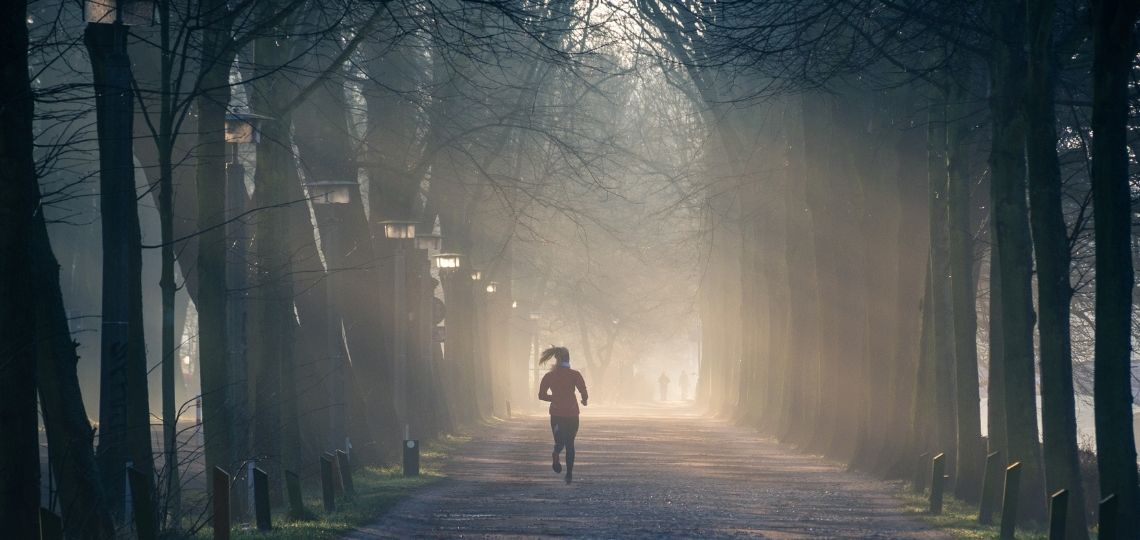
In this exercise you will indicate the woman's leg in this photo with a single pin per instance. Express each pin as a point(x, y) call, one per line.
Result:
point(569, 430)
point(556, 429)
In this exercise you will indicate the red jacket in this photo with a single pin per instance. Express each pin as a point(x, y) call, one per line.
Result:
point(558, 386)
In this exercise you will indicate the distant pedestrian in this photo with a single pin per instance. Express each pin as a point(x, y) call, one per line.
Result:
point(663, 382)
point(558, 387)
point(683, 380)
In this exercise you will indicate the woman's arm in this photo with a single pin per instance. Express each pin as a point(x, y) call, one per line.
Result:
point(544, 388)
point(581, 385)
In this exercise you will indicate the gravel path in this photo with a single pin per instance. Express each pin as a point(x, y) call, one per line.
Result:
point(646, 473)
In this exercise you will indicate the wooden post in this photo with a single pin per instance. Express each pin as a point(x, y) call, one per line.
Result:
point(220, 481)
point(411, 458)
point(296, 503)
point(1108, 517)
point(920, 473)
point(990, 479)
point(1009, 501)
point(142, 507)
point(1058, 510)
point(328, 492)
point(937, 482)
point(51, 526)
point(338, 482)
point(345, 472)
point(261, 500)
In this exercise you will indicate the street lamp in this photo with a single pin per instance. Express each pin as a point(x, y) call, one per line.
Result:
point(400, 231)
point(476, 275)
point(333, 193)
point(243, 128)
point(448, 261)
point(429, 242)
point(492, 287)
point(125, 12)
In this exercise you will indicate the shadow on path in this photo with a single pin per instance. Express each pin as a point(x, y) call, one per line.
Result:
point(646, 472)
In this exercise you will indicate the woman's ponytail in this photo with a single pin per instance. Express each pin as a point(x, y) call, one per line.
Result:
point(562, 354)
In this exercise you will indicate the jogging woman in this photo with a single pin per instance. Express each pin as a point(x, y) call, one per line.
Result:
point(557, 387)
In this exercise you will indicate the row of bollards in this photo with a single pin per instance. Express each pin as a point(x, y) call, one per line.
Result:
point(261, 509)
point(140, 507)
point(336, 477)
point(1010, 484)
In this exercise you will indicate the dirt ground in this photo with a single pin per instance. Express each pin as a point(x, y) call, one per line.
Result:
point(648, 472)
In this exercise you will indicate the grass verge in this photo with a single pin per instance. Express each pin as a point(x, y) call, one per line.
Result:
point(959, 519)
point(377, 490)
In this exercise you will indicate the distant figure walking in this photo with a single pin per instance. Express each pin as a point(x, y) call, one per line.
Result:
point(663, 382)
point(558, 387)
point(683, 380)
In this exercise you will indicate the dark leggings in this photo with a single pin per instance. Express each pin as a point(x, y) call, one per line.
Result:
point(564, 428)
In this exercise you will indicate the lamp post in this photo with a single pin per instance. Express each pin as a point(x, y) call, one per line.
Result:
point(446, 263)
point(401, 232)
point(331, 194)
point(534, 317)
point(240, 128)
point(124, 414)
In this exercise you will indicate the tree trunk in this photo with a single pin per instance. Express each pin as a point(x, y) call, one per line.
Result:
point(817, 130)
point(941, 310)
point(967, 485)
point(1113, 56)
point(912, 245)
point(211, 301)
point(801, 400)
point(19, 201)
point(168, 351)
point(124, 409)
point(1014, 249)
point(1054, 293)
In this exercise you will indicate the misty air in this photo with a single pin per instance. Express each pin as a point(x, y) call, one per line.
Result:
point(353, 269)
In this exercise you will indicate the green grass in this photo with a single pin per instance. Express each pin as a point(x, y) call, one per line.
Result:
point(960, 519)
point(377, 490)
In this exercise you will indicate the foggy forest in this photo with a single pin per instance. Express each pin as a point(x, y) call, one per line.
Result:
point(778, 268)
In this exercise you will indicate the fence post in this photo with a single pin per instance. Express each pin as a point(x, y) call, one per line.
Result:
point(1108, 517)
point(920, 473)
point(1058, 510)
point(327, 489)
point(342, 463)
point(261, 500)
point(296, 503)
point(411, 457)
point(989, 488)
point(221, 483)
point(937, 481)
point(1009, 500)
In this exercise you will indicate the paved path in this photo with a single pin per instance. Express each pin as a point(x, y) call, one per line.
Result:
point(646, 473)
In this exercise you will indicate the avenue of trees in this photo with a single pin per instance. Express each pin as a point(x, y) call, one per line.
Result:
point(871, 217)
point(944, 194)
